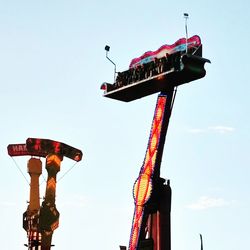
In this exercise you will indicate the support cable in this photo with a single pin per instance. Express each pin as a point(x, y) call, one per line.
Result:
point(44, 180)
point(172, 103)
point(20, 170)
point(67, 171)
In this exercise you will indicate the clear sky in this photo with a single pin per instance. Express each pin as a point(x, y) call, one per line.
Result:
point(52, 63)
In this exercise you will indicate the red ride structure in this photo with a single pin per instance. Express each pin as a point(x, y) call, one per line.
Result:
point(40, 221)
point(152, 197)
point(181, 62)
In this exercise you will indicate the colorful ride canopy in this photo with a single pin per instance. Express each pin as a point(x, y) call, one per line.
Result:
point(178, 46)
point(42, 147)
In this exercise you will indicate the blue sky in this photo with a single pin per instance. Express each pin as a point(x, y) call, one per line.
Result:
point(52, 63)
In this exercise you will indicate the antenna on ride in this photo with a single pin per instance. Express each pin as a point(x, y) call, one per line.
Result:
point(186, 18)
point(201, 242)
point(107, 48)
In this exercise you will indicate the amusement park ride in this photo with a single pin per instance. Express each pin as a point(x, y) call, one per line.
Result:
point(156, 71)
point(40, 221)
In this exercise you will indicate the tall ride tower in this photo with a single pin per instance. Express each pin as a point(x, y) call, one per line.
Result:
point(40, 221)
point(158, 71)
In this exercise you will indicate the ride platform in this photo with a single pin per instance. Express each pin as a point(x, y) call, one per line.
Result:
point(189, 68)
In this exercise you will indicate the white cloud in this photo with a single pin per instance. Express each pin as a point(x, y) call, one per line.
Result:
point(205, 202)
point(216, 129)
point(221, 129)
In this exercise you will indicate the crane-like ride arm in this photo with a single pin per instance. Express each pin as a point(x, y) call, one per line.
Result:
point(149, 187)
point(156, 71)
point(41, 221)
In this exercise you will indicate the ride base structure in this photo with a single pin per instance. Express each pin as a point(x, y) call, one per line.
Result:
point(159, 71)
point(40, 221)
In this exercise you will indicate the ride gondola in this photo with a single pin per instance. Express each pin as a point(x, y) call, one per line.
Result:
point(160, 70)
